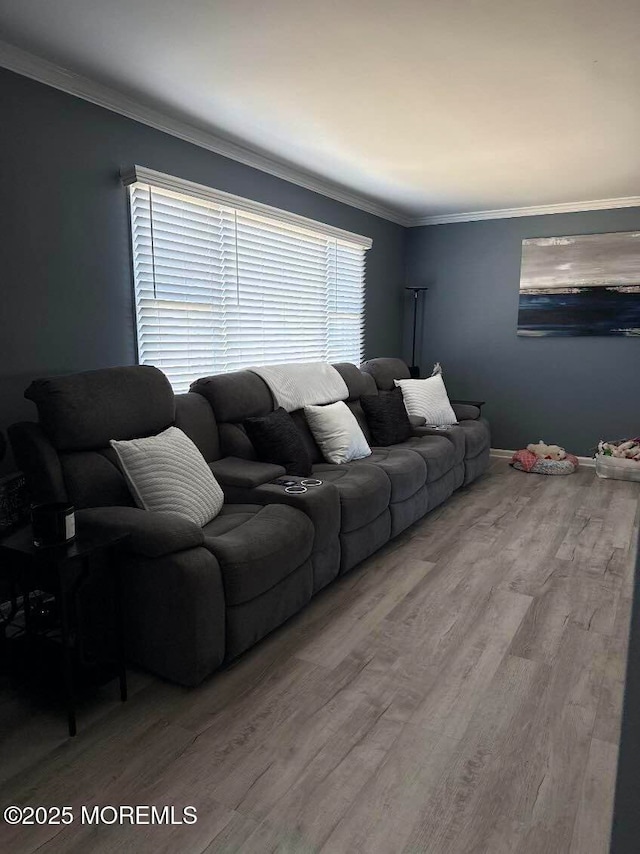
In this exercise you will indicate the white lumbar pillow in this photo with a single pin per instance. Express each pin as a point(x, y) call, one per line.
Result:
point(168, 472)
point(427, 399)
point(337, 432)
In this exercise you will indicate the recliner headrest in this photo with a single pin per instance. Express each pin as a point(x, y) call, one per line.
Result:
point(385, 371)
point(357, 382)
point(235, 396)
point(81, 412)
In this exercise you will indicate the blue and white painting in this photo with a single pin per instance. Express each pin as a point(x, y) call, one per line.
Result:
point(584, 284)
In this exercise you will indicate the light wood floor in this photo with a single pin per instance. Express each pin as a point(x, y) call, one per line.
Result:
point(459, 692)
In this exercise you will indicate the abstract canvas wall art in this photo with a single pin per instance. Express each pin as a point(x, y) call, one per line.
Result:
point(585, 284)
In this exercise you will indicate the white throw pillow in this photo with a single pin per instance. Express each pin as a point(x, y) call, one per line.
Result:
point(337, 432)
point(168, 472)
point(428, 399)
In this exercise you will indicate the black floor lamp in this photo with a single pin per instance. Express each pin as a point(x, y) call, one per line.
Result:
point(414, 369)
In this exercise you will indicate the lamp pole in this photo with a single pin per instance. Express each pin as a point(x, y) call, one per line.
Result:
point(414, 369)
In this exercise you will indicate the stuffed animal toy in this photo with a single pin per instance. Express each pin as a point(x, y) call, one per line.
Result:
point(547, 452)
point(626, 450)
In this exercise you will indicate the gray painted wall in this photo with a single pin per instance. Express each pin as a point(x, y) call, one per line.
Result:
point(572, 391)
point(64, 237)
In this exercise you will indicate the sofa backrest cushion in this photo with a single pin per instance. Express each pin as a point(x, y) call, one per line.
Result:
point(83, 412)
point(235, 396)
point(357, 382)
point(384, 371)
point(195, 417)
point(94, 479)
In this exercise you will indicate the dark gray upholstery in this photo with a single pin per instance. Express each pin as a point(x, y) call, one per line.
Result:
point(94, 479)
point(472, 431)
point(36, 457)
point(465, 411)
point(356, 546)
point(307, 436)
point(195, 597)
point(150, 534)
point(232, 471)
point(235, 396)
point(438, 452)
point(364, 492)
point(405, 513)
point(195, 417)
point(234, 442)
point(406, 470)
point(439, 490)
point(175, 614)
point(476, 465)
point(321, 504)
point(477, 436)
point(454, 433)
point(257, 547)
point(357, 382)
point(385, 371)
point(84, 411)
point(249, 622)
point(356, 407)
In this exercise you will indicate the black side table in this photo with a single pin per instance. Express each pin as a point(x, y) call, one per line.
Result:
point(61, 571)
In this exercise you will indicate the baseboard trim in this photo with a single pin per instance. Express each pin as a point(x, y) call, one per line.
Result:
point(504, 454)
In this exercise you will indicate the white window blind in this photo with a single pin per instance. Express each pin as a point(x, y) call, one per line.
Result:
point(221, 286)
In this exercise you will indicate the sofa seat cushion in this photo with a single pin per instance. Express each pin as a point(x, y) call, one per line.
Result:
point(364, 490)
point(454, 433)
point(406, 470)
point(438, 452)
point(257, 547)
point(477, 437)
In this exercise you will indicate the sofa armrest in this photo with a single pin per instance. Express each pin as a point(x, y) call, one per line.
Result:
point(39, 461)
point(234, 471)
point(320, 503)
point(465, 411)
point(150, 534)
point(417, 420)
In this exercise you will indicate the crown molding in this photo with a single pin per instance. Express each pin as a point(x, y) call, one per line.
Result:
point(32, 66)
point(534, 210)
point(29, 65)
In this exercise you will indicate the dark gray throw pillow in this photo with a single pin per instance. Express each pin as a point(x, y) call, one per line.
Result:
point(277, 440)
point(387, 417)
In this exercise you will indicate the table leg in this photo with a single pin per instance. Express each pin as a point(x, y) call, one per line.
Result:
point(67, 661)
point(117, 606)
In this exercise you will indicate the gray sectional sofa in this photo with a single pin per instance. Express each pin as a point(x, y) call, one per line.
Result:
point(196, 598)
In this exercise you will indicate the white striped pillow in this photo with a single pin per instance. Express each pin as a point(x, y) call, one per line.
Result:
point(427, 399)
point(168, 472)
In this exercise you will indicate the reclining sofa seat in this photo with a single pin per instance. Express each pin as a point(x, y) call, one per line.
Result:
point(192, 597)
point(354, 500)
point(471, 437)
point(379, 496)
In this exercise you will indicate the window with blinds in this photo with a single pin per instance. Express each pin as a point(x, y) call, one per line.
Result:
point(223, 283)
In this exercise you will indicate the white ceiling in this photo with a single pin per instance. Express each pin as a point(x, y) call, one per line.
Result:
point(431, 107)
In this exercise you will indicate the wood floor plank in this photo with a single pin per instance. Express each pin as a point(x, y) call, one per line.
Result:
point(458, 692)
point(347, 630)
point(592, 827)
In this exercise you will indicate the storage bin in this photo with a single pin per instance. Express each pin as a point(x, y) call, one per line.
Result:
point(617, 468)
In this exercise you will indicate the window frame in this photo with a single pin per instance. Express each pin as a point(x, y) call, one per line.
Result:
point(139, 176)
